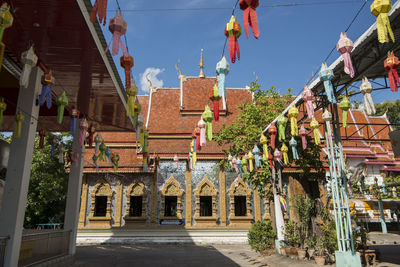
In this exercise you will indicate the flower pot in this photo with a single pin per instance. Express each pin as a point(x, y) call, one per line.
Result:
point(302, 253)
point(310, 253)
point(283, 252)
point(293, 253)
point(319, 260)
point(287, 251)
point(268, 252)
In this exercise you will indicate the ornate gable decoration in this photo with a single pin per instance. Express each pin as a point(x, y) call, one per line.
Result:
point(205, 188)
point(172, 188)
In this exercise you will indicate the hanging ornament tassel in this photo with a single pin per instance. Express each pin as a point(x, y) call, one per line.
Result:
point(42, 135)
point(293, 144)
point(202, 125)
point(235, 166)
point(19, 118)
point(271, 160)
point(194, 154)
point(48, 83)
point(308, 97)
point(282, 121)
point(244, 164)
point(99, 9)
point(61, 151)
point(314, 125)
point(250, 158)
point(94, 158)
point(117, 27)
point(250, 16)
point(115, 160)
point(293, 113)
point(207, 116)
point(83, 126)
point(239, 164)
point(198, 142)
point(344, 106)
point(28, 61)
point(127, 64)
point(263, 142)
point(345, 46)
point(97, 141)
point(130, 107)
point(53, 142)
point(278, 156)
point(61, 102)
point(74, 116)
point(6, 21)
point(285, 150)
point(3, 107)
point(190, 161)
point(257, 158)
point(102, 149)
point(108, 153)
point(303, 134)
point(91, 132)
point(391, 63)
point(176, 160)
point(366, 90)
point(214, 97)
point(233, 32)
point(272, 132)
point(222, 70)
point(326, 75)
point(380, 9)
point(327, 117)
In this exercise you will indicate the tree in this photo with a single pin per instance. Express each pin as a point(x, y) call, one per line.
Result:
point(391, 108)
point(245, 131)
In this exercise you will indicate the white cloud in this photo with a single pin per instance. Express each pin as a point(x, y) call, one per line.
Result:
point(152, 74)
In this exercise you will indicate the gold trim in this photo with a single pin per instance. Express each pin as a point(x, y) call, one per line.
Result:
point(222, 196)
point(118, 209)
point(257, 205)
point(102, 188)
point(241, 190)
point(136, 189)
point(82, 212)
point(188, 198)
point(171, 188)
point(206, 188)
point(153, 211)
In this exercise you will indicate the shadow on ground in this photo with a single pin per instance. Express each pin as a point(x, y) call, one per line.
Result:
point(387, 253)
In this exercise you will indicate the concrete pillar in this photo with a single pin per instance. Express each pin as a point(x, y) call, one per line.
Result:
point(280, 224)
point(118, 210)
point(153, 212)
point(257, 205)
point(74, 192)
point(222, 196)
point(19, 170)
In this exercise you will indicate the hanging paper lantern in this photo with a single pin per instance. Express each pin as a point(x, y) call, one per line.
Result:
point(108, 153)
point(214, 97)
point(139, 126)
point(207, 116)
point(53, 142)
point(250, 16)
point(344, 106)
point(257, 158)
point(28, 61)
point(3, 107)
point(250, 158)
point(230, 159)
point(130, 105)
point(327, 117)
point(197, 136)
point(243, 163)
point(42, 135)
point(391, 63)
point(61, 151)
point(380, 9)
point(145, 141)
point(314, 125)
point(91, 132)
point(202, 126)
point(282, 121)
point(74, 116)
point(83, 126)
point(102, 149)
point(239, 164)
point(272, 132)
point(190, 161)
point(97, 140)
point(222, 70)
point(366, 90)
point(115, 160)
point(345, 46)
point(19, 118)
point(127, 64)
point(48, 83)
point(6, 21)
point(194, 155)
point(263, 142)
point(326, 75)
point(157, 160)
point(293, 113)
point(99, 9)
point(285, 150)
point(278, 156)
point(270, 159)
point(235, 166)
point(61, 102)
point(232, 32)
point(308, 98)
point(293, 144)
point(94, 158)
point(117, 27)
point(303, 134)
point(176, 160)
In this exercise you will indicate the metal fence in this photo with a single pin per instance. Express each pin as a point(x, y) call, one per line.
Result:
point(3, 241)
point(43, 246)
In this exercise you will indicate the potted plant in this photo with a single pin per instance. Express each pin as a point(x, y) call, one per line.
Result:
point(304, 207)
point(311, 243)
point(319, 255)
point(292, 236)
point(261, 237)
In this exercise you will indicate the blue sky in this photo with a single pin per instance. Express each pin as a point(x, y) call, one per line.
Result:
point(292, 44)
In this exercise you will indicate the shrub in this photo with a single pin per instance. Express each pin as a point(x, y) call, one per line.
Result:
point(261, 236)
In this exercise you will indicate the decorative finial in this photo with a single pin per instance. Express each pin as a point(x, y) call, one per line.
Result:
point(152, 89)
point(201, 65)
point(176, 67)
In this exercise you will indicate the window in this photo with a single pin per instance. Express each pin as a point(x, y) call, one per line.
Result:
point(100, 208)
point(240, 206)
point(205, 206)
point(170, 205)
point(135, 209)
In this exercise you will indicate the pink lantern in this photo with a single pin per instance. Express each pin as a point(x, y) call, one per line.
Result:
point(308, 97)
point(303, 134)
point(345, 46)
point(118, 28)
point(176, 159)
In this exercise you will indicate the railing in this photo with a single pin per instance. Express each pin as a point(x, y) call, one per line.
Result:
point(3, 241)
point(43, 246)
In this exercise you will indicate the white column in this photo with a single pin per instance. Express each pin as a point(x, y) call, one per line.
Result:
point(19, 170)
point(280, 223)
point(74, 192)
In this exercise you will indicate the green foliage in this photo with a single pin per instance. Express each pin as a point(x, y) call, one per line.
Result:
point(388, 182)
point(292, 234)
point(304, 208)
point(261, 236)
point(392, 108)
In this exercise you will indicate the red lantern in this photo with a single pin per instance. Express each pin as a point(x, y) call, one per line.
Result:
point(91, 132)
point(100, 9)
point(118, 28)
point(272, 131)
point(391, 64)
point(198, 146)
point(250, 16)
point(127, 64)
point(233, 31)
point(42, 135)
point(270, 159)
point(215, 98)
